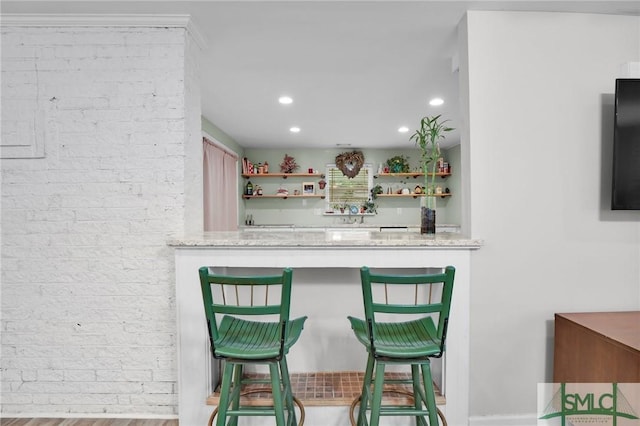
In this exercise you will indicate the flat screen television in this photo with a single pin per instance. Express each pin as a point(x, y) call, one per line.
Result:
point(626, 146)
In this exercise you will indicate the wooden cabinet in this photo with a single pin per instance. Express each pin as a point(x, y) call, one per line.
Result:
point(597, 347)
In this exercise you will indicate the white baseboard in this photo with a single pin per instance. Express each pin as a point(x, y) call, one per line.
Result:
point(87, 416)
point(519, 420)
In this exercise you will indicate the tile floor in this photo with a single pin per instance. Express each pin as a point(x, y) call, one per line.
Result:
point(328, 389)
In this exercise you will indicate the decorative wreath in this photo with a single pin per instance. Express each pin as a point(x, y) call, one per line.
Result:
point(350, 163)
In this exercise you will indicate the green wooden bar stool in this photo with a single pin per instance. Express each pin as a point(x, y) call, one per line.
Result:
point(405, 323)
point(249, 324)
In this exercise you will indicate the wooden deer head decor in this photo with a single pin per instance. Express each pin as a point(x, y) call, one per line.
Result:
point(350, 163)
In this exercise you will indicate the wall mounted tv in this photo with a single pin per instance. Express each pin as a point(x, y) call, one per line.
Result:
point(625, 193)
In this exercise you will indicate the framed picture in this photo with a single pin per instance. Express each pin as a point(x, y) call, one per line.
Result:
point(308, 188)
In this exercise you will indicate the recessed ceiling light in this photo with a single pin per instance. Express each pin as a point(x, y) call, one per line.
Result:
point(403, 129)
point(294, 129)
point(436, 101)
point(285, 100)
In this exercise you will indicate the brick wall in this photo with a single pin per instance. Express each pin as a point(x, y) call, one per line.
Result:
point(88, 315)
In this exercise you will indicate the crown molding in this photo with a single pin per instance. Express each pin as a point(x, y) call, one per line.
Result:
point(72, 20)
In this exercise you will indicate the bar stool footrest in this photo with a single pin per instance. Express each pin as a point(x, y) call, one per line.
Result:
point(355, 402)
point(296, 401)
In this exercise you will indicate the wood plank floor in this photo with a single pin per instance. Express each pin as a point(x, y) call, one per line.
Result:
point(88, 422)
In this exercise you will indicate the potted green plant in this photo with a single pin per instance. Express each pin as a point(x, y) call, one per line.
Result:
point(398, 164)
point(375, 191)
point(431, 130)
point(369, 207)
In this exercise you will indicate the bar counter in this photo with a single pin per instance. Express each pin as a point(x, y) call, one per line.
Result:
point(324, 237)
point(326, 288)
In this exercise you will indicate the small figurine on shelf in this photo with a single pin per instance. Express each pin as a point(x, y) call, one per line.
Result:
point(288, 164)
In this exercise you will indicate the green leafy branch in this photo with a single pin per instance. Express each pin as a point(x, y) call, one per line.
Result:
point(426, 138)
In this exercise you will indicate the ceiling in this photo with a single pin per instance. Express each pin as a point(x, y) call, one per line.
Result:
point(357, 71)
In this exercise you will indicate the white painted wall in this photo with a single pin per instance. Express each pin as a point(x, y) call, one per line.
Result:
point(193, 153)
point(540, 130)
point(88, 321)
point(88, 300)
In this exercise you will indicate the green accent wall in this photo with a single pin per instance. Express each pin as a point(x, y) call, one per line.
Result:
point(222, 137)
point(309, 212)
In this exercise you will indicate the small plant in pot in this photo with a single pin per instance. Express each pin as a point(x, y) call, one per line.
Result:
point(369, 207)
point(398, 164)
point(375, 191)
point(431, 130)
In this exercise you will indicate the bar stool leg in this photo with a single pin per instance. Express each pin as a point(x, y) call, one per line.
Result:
point(225, 389)
point(429, 394)
point(276, 391)
point(235, 395)
point(288, 393)
point(378, 385)
point(417, 393)
point(366, 391)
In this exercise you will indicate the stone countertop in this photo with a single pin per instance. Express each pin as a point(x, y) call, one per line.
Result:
point(349, 226)
point(319, 237)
